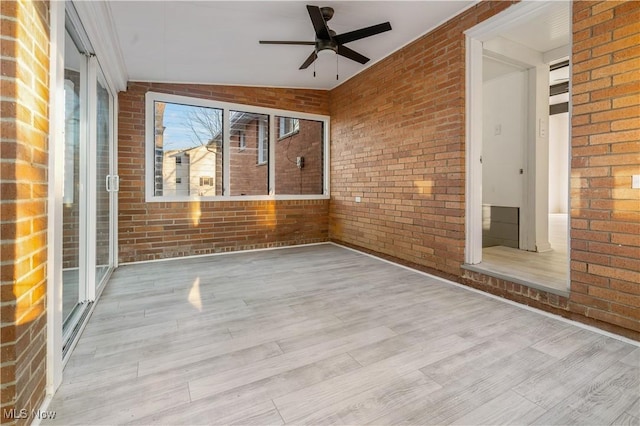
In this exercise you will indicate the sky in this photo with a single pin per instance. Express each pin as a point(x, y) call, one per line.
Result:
point(177, 133)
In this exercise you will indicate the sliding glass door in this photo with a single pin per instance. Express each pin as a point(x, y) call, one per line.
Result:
point(90, 184)
point(75, 89)
point(105, 185)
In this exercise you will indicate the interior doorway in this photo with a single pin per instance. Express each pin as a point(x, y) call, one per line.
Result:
point(517, 151)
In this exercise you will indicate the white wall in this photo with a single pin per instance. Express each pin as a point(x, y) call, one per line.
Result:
point(504, 138)
point(558, 162)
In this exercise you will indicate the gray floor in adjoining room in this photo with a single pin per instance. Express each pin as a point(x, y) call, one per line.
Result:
point(325, 335)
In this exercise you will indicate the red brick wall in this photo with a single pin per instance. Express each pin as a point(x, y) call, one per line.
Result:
point(246, 176)
point(397, 132)
point(162, 230)
point(605, 211)
point(306, 143)
point(398, 142)
point(23, 214)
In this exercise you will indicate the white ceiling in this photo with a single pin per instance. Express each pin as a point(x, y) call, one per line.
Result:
point(216, 42)
point(546, 31)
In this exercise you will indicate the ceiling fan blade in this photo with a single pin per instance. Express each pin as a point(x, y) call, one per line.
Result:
point(362, 33)
point(301, 43)
point(352, 54)
point(319, 24)
point(309, 60)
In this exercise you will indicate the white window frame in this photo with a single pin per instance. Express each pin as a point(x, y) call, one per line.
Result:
point(282, 133)
point(227, 107)
point(262, 158)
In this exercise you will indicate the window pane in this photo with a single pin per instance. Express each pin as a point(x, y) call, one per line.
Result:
point(299, 156)
point(249, 153)
point(188, 146)
point(103, 157)
point(74, 79)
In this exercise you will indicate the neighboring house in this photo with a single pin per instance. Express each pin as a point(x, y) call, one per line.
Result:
point(398, 134)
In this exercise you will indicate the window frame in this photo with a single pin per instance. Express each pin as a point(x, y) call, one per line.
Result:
point(226, 107)
point(263, 159)
point(281, 126)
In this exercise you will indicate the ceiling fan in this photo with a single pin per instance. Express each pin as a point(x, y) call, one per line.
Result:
point(328, 40)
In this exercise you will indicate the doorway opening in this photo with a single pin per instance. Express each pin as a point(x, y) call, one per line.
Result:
point(517, 146)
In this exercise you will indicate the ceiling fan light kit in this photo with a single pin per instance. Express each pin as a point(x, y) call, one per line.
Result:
point(328, 42)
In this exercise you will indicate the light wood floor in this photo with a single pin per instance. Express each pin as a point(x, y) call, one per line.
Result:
point(547, 270)
point(325, 335)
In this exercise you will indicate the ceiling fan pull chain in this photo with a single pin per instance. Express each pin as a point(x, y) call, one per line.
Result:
point(336, 67)
point(314, 69)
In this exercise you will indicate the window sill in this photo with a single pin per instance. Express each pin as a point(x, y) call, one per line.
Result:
point(183, 199)
point(288, 135)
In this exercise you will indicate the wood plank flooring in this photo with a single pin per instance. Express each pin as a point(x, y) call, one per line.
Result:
point(547, 271)
point(325, 335)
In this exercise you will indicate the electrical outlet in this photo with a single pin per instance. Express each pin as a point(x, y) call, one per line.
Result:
point(635, 182)
point(358, 199)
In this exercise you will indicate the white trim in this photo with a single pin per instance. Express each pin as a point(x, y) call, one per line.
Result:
point(91, 192)
point(54, 203)
point(473, 155)
point(226, 107)
point(113, 252)
point(271, 137)
point(97, 21)
point(83, 176)
point(509, 18)
point(498, 298)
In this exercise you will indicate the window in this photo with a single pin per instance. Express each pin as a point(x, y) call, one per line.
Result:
point(187, 143)
point(287, 126)
point(300, 158)
point(244, 177)
point(242, 144)
point(219, 151)
point(206, 181)
point(263, 143)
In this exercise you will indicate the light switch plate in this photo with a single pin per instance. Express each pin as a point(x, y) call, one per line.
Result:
point(635, 181)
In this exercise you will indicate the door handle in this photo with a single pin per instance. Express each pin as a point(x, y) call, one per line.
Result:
point(109, 180)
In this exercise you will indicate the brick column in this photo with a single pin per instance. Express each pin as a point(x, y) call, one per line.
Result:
point(605, 210)
point(23, 216)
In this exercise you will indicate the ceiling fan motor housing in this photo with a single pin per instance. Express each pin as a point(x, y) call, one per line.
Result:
point(324, 44)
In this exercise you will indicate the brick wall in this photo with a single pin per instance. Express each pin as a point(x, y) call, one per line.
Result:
point(397, 133)
point(398, 142)
point(23, 215)
point(163, 230)
point(247, 177)
point(605, 211)
point(307, 143)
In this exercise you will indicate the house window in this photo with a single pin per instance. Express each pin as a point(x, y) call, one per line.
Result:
point(242, 143)
point(287, 126)
point(191, 154)
point(206, 181)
